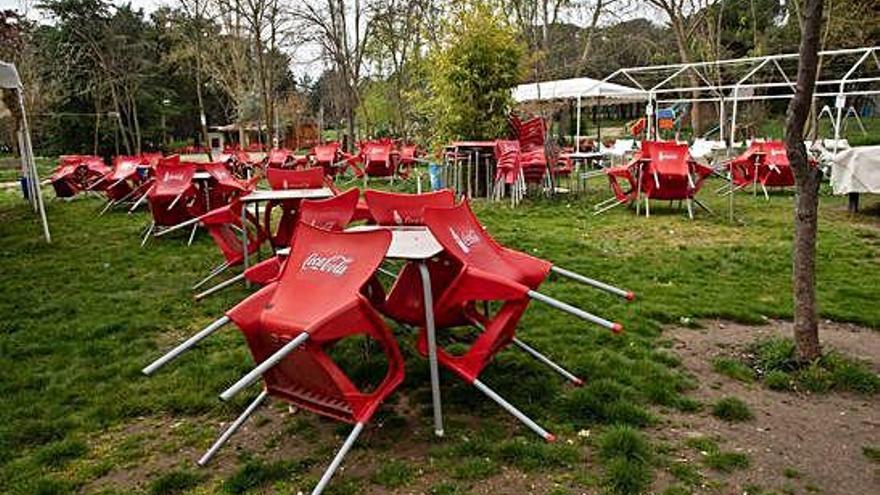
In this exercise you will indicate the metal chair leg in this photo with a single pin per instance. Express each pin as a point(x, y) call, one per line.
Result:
point(544, 359)
point(629, 295)
point(186, 345)
point(271, 361)
point(568, 308)
point(216, 271)
point(232, 428)
point(337, 460)
point(192, 235)
point(507, 406)
point(222, 285)
point(149, 232)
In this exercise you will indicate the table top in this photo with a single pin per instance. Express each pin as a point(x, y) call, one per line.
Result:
point(407, 242)
point(472, 144)
point(280, 194)
point(201, 176)
point(582, 154)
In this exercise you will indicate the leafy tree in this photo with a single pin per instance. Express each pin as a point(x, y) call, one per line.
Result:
point(479, 59)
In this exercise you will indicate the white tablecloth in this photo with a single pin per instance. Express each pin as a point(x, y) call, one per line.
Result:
point(856, 170)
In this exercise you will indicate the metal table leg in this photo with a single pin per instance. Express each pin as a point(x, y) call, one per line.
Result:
point(432, 347)
point(244, 240)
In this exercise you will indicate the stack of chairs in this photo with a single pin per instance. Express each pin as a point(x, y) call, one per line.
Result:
point(127, 182)
point(78, 173)
point(321, 293)
point(661, 170)
point(763, 163)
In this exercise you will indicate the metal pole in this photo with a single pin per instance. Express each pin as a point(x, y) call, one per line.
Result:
point(507, 406)
point(432, 347)
point(544, 359)
point(629, 295)
point(185, 223)
point(186, 345)
point(568, 308)
point(271, 361)
point(222, 285)
point(38, 194)
point(216, 271)
point(244, 239)
point(334, 465)
point(577, 138)
point(233, 428)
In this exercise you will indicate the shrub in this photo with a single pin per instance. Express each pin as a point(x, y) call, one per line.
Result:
point(731, 409)
point(624, 442)
point(733, 368)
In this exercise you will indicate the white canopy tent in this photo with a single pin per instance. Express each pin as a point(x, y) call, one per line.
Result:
point(9, 80)
point(580, 89)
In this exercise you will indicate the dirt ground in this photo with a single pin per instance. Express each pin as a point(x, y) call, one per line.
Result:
point(796, 443)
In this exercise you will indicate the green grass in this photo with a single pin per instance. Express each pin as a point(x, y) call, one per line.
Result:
point(82, 316)
point(733, 368)
point(732, 409)
point(872, 452)
point(715, 458)
point(175, 482)
point(393, 474)
point(775, 359)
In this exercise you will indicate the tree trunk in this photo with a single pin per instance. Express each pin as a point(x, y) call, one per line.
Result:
point(203, 120)
point(806, 319)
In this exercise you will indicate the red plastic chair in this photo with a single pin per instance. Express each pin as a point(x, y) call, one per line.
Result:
point(387, 208)
point(377, 159)
point(763, 163)
point(64, 178)
point(309, 178)
point(328, 157)
point(508, 170)
point(280, 158)
point(225, 228)
point(173, 198)
point(223, 186)
point(290, 325)
point(332, 214)
point(661, 170)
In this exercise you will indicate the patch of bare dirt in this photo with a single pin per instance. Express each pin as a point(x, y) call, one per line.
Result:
point(816, 439)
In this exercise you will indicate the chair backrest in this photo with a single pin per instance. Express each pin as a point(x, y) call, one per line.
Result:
point(408, 153)
point(461, 235)
point(333, 213)
point(125, 167)
point(775, 153)
point(375, 151)
point(277, 157)
point(220, 172)
point(324, 272)
point(531, 133)
point(309, 178)
point(326, 153)
point(666, 158)
point(150, 159)
point(172, 178)
point(389, 208)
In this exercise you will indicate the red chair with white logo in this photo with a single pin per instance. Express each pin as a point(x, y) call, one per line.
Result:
point(762, 163)
point(508, 171)
point(64, 178)
point(473, 268)
point(290, 325)
point(123, 182)
point(407, 157)
point(279, 179)
point(223, 186)
point(388, 208)
point(280, 158)
point(661, 170)
point(377, 159)
point(330, 158)
point(172, 197)
point(334, 214)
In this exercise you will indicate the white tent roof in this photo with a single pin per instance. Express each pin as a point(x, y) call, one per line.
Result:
point(9, 76)
point(584, 87)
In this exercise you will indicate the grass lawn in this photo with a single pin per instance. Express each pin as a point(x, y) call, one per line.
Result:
point(81, 317)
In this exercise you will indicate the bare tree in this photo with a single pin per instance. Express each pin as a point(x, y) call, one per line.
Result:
point(196, 12)
point(342, 30)
point(807, 178)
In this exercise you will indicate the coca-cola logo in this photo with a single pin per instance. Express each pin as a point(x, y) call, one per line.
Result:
point(777, 152)
point(668, 156)
point(403, 219)
point(169, 176)
point(333, 264)
point(465, 240)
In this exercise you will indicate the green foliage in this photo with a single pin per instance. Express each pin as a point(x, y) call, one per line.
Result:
point(60, 453)
point(393, 474)
point(727, 462)
point(732, 409)
point(624, 442)
point(606, 401)
point(626, 455)
point(175, 482)
point(626, 477)
point(256, 474)
point(775, 358)
point(733, 368)
point(472, 71)
point(872, 452)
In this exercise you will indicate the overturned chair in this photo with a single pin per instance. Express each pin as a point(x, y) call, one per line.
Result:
point(290, 325)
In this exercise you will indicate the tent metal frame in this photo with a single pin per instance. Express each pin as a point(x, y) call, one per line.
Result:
point(11, 80)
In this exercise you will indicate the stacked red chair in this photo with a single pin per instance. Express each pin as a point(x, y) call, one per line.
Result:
point(472, 269)
point(309, 178)
point(78, 173)
point(407, 157)
point(280, 158)
point(531, 136)
point(661, 170)
point(291, 324)
point(173, 198)
point(125, 182)
point(762, 163)
point(334, 214)
point(377, 159)
point(223, 186)
point(508, 171)
point(330, 158)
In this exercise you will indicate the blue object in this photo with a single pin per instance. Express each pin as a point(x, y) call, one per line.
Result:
point(665, 113)
point(25, 189)
point(435, 174)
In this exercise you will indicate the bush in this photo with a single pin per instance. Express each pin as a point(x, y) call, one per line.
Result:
point(777, 380)
point(731, 409)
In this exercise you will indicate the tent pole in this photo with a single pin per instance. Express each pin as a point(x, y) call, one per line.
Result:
point(33, 166)
point(577, 139)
